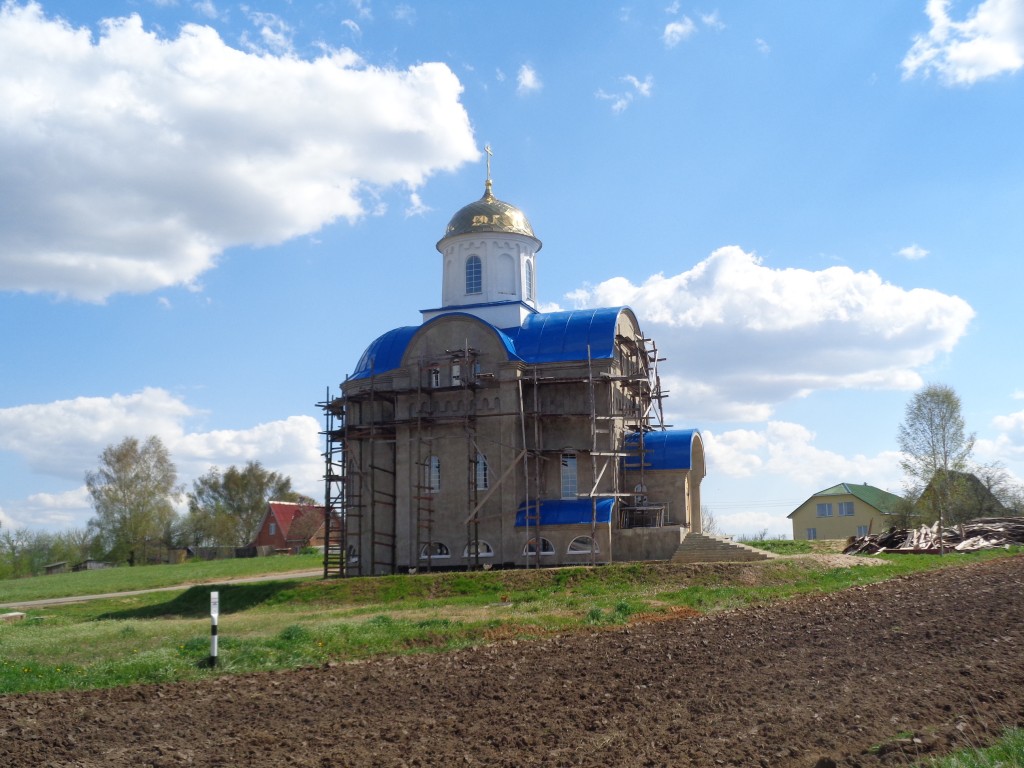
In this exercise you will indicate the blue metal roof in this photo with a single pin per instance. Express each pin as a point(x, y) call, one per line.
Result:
point(567, 512)
point(547, 337)
point(551, 337)
point(384, 353)
point(670, 449)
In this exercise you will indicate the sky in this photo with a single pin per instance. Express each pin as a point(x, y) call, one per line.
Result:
point(210, 209)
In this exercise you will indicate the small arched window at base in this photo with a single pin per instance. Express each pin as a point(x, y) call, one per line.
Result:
point(478, 549)
point(583, 545)
point(434, 550)
point(352, 554)
point(546, 547)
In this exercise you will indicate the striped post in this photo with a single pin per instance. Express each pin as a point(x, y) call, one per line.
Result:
point(214, 613)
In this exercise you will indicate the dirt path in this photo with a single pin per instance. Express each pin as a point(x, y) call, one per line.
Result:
point(867, 677)
point(280, 576)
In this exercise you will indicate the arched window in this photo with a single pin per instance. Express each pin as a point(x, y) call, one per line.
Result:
point(583, 545)
point(546, 547)
point(569, 484)
point(640, 495)
point(529, 280)
point(483, 475)
point(433, 550)
point(352, 554)
point(433, 474)
point(478, 549)
point(474, 275)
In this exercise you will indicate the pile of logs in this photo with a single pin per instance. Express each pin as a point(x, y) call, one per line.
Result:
point(982, 533)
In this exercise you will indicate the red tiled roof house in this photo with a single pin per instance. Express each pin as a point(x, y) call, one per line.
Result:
point(289, 526)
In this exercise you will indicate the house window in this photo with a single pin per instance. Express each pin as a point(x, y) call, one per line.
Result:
point(474, 275)
point(812, 534)
point(583, 545)
point(435, 377)
point(433, 550)
point(483, 473)
point(825, 510)
point(862, 530)
point(529, 280)
point(846, 509)
point(273, 529)
point(546, 547)
point(569, 485)
point(456, 375)
point(433, 472)
point(478, 549)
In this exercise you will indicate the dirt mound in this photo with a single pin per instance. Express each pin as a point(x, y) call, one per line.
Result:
point(875, 675)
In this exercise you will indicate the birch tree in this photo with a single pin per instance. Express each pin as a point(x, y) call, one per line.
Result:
point(133, 493)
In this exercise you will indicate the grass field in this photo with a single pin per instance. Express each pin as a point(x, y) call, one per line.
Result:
point(287, 623)
point(148, 577)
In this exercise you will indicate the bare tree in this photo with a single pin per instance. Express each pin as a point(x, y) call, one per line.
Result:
point(708, 522)
point(133, 493)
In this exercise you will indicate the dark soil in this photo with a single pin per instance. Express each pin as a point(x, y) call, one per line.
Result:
point(875, 675)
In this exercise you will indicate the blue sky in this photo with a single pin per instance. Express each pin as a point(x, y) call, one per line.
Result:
point(211, 208)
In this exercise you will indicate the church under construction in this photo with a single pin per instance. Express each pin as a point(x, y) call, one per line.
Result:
point(496, 435)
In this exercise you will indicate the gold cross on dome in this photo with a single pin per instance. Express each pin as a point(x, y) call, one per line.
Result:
point(487, 149)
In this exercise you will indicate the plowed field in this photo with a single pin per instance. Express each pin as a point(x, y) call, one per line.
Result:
point(871, 676)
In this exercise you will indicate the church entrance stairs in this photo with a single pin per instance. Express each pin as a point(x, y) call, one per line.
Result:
point(702, 548)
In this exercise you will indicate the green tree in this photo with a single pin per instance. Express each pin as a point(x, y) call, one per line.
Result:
point(936, 449)
point(133, 493)
point(227, 508)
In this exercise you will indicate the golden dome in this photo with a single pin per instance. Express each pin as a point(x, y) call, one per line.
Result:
point(488, 214)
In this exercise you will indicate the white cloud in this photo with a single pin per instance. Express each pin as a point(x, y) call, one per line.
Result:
point(362, 7)
point(677, 31)
point(786, 450)
point(711, 20)
point(989, 42)
point(620, 101)
point(642, 87)
point(351, 26)
point(64, 439)
point(130, 161)
point(404, 13)
point(275, 34)
point(762, 46)
point(417, 206)
point(673, 8)
point(912, 252)
point(527, 81)
point(756, 336)
point(206, 8)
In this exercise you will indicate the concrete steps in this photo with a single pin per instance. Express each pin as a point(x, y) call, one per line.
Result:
point(701, 548)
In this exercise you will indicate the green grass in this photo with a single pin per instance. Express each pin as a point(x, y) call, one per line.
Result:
point(1007, 752)
point(289, 623)
point(125, 579)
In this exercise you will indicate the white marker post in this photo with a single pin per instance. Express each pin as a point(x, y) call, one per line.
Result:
point(214, 612)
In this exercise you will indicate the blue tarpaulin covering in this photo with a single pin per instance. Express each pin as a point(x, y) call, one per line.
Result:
point(546, 337)
point(670, 449)
point(568, 512)
point(552, 337)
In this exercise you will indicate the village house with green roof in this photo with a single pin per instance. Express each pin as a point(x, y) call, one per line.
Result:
point(844, 510)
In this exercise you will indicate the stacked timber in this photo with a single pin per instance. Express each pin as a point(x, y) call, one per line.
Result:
point(982, 533)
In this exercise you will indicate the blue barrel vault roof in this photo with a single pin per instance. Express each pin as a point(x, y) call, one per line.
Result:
point(546, 337)
point(567, 512)
point(668, 449)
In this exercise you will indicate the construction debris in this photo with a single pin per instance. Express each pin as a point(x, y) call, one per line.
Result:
point(982, 533)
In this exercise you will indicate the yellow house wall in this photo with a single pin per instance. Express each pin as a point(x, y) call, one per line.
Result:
point(836, 527)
